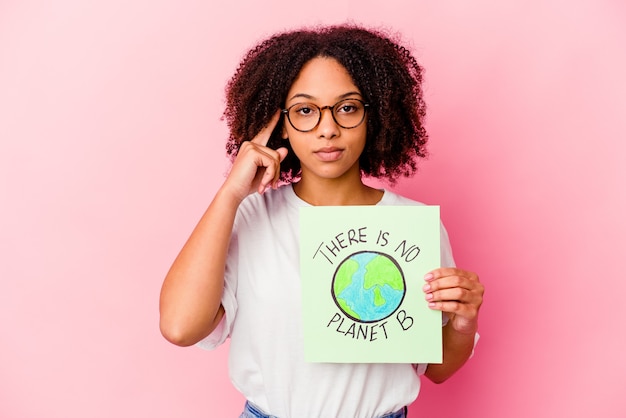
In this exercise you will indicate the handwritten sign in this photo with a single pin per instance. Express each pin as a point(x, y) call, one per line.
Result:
point(362, 275)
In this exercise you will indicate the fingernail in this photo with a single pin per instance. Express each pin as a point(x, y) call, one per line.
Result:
point(429, 276)
point(426, 287)
point(431, 305)
point(429, 296)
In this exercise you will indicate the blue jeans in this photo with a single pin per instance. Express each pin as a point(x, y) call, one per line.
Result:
point(251, 411)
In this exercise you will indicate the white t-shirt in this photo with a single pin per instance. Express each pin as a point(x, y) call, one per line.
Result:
point(262, 303)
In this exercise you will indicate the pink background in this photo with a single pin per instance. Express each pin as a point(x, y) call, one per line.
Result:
point(112, 146)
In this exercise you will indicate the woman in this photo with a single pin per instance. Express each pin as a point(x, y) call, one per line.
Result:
point(311, 112)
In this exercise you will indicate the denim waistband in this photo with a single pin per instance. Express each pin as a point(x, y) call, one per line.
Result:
point(251, 411)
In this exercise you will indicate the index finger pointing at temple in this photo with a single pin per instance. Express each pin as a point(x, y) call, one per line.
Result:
point(264, 135)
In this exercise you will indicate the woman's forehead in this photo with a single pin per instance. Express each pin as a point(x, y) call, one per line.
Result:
point(324, 79)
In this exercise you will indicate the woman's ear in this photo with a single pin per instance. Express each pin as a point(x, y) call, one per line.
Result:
point(284, 132)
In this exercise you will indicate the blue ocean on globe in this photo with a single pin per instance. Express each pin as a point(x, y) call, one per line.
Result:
point(368, 286)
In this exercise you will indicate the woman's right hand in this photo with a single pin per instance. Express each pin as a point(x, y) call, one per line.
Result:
point(256, 167)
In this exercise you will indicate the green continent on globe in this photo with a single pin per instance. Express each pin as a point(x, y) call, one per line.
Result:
point(343, 279)
point(382, 271)
point(379, 300)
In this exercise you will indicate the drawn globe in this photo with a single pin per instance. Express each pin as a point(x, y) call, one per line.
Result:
point(368, 286)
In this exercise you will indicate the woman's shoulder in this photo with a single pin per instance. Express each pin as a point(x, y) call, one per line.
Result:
point(271, 202)
point(391, 198)
point(281, 196)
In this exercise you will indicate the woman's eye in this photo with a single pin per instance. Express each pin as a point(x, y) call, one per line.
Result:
point(304, 111)
point(347, 108)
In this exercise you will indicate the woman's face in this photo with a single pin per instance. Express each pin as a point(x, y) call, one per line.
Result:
point(328, 151)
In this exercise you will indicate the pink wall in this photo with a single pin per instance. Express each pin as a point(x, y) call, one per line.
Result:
point(111, 147)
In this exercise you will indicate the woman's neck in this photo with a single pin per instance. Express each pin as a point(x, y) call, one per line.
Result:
point(330, 192)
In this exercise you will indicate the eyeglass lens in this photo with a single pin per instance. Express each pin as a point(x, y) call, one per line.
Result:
point(346, 113)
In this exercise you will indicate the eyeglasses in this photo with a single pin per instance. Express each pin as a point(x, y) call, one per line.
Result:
point(305, 117)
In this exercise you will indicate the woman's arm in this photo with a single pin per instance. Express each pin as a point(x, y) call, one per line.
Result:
point(459, 294)
point(190, 302)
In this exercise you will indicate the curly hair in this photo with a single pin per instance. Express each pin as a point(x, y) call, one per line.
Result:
point(386, 73)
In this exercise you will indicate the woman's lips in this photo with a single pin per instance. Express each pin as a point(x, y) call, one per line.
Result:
point(328, 154)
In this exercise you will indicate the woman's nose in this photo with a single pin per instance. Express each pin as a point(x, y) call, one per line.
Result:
point(327, 127)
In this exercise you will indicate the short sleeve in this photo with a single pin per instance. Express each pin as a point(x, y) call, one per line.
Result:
point(229, 299)
point(447, 260)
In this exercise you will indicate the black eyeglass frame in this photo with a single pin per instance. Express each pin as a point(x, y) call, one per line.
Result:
point(332, 112)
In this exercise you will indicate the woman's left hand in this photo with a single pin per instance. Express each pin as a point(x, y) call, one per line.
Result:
point(458, 293)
